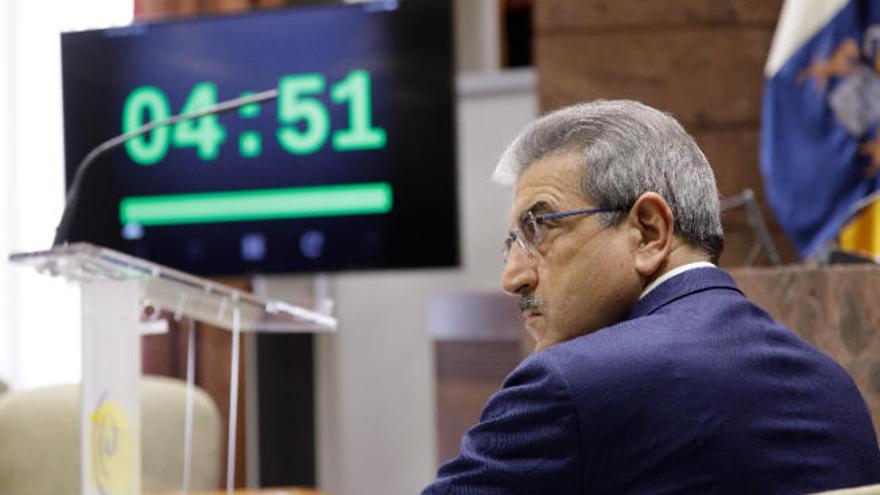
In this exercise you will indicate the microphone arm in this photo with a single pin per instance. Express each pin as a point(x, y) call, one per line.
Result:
point(62, 232)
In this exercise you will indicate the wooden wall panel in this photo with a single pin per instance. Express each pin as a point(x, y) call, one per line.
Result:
point(214, 354)
point(148, 10)
point(468, 373)
point(554, 15)
point(704, 76)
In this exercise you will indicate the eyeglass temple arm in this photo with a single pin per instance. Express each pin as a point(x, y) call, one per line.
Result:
point(553, 216)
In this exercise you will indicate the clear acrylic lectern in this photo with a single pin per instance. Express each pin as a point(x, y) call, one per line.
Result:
point(116, 291)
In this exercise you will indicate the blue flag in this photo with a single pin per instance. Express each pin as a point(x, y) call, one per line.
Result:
point(820, 149)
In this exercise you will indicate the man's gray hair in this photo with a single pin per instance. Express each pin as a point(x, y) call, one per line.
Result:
point(628, 149)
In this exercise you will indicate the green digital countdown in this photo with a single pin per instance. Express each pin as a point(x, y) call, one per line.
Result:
point(287, 140)
point(303, 119)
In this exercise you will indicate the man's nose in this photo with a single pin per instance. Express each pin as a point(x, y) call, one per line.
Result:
point(520, 275)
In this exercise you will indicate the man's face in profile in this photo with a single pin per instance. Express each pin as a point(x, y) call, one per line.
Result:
point(579, 278)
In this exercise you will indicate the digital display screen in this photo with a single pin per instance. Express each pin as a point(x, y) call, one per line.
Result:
point(351, 167)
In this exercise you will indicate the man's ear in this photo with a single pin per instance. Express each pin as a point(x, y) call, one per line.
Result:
point(651, 221)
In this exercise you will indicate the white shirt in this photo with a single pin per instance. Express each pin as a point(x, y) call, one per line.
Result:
point(671, 273)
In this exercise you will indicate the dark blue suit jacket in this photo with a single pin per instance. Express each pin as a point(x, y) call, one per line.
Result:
point(697, 391)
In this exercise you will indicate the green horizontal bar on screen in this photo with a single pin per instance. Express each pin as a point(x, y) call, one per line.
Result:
point(257, 204)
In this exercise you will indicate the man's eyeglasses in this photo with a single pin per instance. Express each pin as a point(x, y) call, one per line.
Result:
point(529, 234)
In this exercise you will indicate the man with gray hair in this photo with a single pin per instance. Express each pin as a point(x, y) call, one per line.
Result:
point(652, 372)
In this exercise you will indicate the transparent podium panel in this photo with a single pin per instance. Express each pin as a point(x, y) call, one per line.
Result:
point(123, 297)
point(173, 290)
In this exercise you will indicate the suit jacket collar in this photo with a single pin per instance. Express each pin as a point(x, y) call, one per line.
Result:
point(682, 285)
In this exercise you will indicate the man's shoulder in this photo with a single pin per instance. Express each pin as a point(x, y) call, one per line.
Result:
point(714, 343)
point(615, 354)
point(697, 338)
point(607, 360)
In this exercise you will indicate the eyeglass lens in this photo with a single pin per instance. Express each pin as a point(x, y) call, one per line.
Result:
point(527, 236)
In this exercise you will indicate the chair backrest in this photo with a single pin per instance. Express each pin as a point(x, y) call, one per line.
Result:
point(40, 449)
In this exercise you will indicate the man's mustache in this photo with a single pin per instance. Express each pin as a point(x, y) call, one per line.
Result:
point(530, 302)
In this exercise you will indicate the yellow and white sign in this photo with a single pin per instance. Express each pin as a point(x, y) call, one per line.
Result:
point(112, 450)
